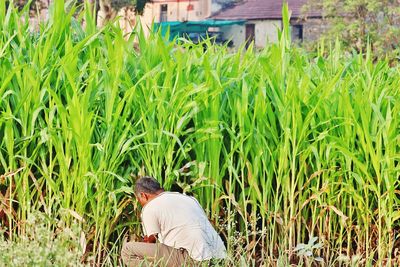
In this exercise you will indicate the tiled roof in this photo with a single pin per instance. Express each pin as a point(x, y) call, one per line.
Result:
point(262, 9)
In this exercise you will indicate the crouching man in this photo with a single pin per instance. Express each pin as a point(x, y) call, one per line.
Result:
point(178, 222)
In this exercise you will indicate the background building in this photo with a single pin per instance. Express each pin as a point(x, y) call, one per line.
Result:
point(230, 21)
point(263, 19)
point(177, 10)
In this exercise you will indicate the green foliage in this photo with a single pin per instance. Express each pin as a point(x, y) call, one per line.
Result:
point(277, 146)
point(359, 24)
point(20, 4)
point(139, 5)
point(306, 251)
point(40, 245)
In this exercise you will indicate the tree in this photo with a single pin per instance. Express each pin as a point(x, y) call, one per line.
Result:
point(359, 23)
point(34, 4)
point(106, 8)
point(109, 8)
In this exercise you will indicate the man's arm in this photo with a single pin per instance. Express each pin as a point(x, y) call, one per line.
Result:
point(150, 239)
point(151, 227)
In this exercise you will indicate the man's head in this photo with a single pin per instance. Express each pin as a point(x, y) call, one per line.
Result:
point(147, 188)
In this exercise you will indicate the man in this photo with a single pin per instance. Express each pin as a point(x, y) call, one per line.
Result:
point(185, 235)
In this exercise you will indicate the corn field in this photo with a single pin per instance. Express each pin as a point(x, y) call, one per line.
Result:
point(295, 156)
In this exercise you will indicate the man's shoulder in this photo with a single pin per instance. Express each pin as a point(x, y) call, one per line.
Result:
point(161, 199)
point(176, 196)
point(171, 195)
point(169, 199)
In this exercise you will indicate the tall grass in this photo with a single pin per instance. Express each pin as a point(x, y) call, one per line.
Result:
point(279, 146)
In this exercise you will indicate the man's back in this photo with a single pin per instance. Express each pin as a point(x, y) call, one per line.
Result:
point(180, 222)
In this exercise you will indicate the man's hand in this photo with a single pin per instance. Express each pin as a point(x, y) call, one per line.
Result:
point(150, 239)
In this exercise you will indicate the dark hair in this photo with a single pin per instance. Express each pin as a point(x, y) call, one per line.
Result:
point(148, 185)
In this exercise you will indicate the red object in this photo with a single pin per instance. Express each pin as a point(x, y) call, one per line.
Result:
point(149, 239)
point(190, 7)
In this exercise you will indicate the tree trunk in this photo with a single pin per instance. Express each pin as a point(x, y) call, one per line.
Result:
point(105, 13)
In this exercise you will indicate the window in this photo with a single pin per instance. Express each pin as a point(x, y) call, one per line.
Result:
point(297, 32)
point(163, 13)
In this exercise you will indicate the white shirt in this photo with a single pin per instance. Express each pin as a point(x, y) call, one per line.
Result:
point(180, 222)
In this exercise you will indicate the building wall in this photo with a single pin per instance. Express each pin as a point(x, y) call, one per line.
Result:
point(265, 31)
point(182, 10)
point(236, 33)
point(177, 10)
